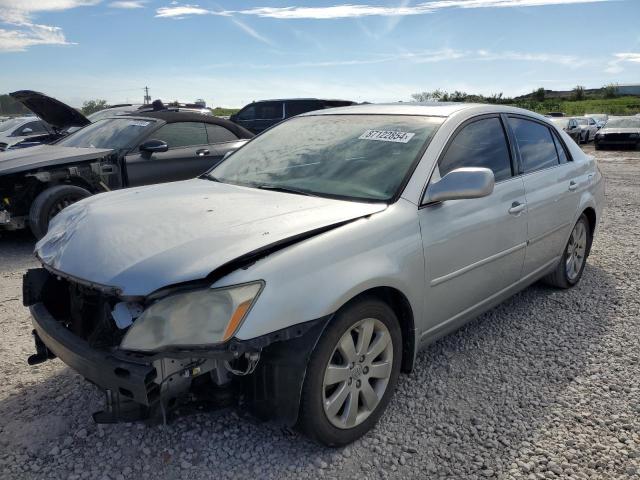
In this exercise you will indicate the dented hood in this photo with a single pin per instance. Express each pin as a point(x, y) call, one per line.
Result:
point(43, 156)
point(54, 112)
point(139, 240)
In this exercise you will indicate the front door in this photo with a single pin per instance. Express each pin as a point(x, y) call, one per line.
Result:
point(474, 248)
point(189, 155)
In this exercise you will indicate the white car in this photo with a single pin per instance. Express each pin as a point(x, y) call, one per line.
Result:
point(589, 128)
point(600, 118)
point(18, 129)
point(307, 270)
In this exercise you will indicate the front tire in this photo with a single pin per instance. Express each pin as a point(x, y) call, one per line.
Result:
point(574, 258)
point(352, 373)
point(49, 203)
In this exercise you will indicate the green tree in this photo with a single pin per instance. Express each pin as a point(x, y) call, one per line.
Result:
point(539, 94)
point(578, 92)
point(610, 91)
point(435, 96)
point(92, 106)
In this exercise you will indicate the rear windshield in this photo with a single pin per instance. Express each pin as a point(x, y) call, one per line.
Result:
point(11, 123)
point(359, 157)
point(113, 133)
point(624, 123)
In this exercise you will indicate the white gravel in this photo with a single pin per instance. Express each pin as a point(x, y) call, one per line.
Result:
point(544, 386)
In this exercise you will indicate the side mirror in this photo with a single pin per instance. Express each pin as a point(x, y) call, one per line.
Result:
point(154, 146)
point(27, 130)
point(461, 183)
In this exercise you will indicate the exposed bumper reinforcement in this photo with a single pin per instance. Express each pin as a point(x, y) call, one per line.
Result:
point(134, 381)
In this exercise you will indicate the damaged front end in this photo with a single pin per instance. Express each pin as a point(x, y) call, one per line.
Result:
point(88, 327)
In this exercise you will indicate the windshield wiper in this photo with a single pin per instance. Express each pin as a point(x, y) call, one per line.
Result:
point(275, 188)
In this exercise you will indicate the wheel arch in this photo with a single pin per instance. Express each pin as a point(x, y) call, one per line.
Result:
point(400, 305)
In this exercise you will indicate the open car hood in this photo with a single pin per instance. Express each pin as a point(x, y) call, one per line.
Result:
point(139, 240)
point(43, 156)
point(52, 111)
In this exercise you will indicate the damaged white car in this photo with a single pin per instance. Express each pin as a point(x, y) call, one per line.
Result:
point(301, 275)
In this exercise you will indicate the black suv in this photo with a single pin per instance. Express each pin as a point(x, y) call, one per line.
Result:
point(258, 116)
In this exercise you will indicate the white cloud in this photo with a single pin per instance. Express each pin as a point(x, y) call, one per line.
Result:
point(182, 11)
point(616, 65)
point(363, 10)
point(21, 32)
point(128, 4)
point(18, 40)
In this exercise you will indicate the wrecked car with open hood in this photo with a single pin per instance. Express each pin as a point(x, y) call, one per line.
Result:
point(55, 121)
point(123, 151)
point(301, 275)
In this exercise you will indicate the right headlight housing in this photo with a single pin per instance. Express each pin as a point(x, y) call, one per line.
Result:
point(192, 319)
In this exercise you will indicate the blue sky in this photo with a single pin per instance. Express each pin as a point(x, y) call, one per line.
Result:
point(233, 52)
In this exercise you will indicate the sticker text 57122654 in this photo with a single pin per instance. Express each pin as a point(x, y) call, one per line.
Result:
point(387, 136)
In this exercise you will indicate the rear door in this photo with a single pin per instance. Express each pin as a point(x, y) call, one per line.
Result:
point(474, 248)
point(259, 116)
point(188, 156)
point(551, 184)
point(297, 107)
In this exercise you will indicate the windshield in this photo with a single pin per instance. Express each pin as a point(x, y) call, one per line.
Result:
point(582, 121)
point(624, 123)
point(110, 112)
point(113, 133)
point(598, 117)
point(361, 157)
point(561, 122)
point(11, 123)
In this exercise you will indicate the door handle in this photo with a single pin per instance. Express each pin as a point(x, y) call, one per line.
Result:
point(516, 208)
point(572, 186)
point(202, 152)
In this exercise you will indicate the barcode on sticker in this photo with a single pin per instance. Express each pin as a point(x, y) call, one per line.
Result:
point(387, 136)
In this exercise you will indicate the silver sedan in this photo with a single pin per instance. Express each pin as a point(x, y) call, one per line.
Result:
point(304, 273)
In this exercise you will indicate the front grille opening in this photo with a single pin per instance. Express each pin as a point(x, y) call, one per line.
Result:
point(83, 310)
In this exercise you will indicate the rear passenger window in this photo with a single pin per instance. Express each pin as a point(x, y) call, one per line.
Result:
point(479, 144)
point(560, 149)
point(181, 134)
point(217, 134)
point(269, 110)
point(537, 148)
point(296, 108)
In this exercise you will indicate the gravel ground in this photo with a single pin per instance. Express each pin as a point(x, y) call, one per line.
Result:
point(544, 386)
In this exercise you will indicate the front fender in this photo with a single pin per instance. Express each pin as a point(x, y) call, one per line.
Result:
point(315, 277)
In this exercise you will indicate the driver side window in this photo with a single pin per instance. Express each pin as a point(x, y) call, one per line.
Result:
point(181, 134)
point(481, 143)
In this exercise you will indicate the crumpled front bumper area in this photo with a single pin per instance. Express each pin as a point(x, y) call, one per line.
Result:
point(134, 381)
point(73, 322)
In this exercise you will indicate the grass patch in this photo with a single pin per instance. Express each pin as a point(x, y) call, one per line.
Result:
point(627, 105)
point(224, 112)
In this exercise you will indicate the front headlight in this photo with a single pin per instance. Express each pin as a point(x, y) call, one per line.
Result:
point(197, 318)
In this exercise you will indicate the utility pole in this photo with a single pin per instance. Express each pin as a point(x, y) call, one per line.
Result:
point(147, 97)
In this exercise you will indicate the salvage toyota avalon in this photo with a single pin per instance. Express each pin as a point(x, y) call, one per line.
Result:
point(301, 275)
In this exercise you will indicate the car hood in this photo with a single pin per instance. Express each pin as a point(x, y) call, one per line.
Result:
point(139, 240)
point(606, 130)
point(24, 159)
point(52, 111)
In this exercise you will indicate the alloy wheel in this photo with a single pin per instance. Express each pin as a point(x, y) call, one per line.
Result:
point(357, 374)
point(576, 251)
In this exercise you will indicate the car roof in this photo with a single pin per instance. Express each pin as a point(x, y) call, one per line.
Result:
point(302, 100)
point(176, 116)
point(429, 109)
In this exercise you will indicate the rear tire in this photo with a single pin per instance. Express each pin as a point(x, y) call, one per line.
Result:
point(574, 258)
point(49, 203)
point(344, 394)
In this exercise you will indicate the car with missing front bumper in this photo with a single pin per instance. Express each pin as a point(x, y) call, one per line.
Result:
point(112, 153)
point(619, 132)
point(303, 274)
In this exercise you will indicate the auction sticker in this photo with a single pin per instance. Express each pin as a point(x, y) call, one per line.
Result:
point(387, 136)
